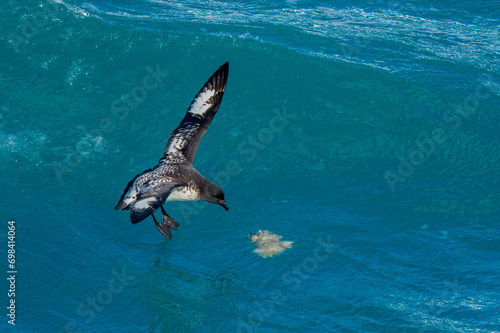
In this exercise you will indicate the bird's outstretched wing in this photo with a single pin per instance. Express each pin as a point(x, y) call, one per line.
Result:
point(185, 138)
point(149, 200)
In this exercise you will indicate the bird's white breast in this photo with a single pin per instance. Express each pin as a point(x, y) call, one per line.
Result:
point(184, 193)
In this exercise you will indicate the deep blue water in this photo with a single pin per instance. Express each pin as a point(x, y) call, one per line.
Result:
point(383, 170)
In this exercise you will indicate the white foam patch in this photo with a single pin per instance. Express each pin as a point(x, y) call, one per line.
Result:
point(89, 144)
point(74, 71)
point(28, 143)
point(269, 244)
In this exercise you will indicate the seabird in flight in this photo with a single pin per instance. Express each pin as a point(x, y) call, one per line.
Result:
point(175, 178)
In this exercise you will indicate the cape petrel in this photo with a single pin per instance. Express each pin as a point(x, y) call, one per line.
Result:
point(175, 178)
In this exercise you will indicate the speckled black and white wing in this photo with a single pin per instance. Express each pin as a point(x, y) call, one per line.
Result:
point(145, 194)
point(132, 190)
point(149, 199)
point(184, 140)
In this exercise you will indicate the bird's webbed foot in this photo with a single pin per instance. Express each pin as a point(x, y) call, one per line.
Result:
point(168, 220)
point(168, 223)
point(163, 228)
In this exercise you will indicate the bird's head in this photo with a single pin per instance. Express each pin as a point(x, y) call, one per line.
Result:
point(213, 193)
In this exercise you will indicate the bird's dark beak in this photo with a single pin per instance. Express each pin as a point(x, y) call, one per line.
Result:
point(223, 204)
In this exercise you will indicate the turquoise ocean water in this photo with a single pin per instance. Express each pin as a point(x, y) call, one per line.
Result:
point(365, 132)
